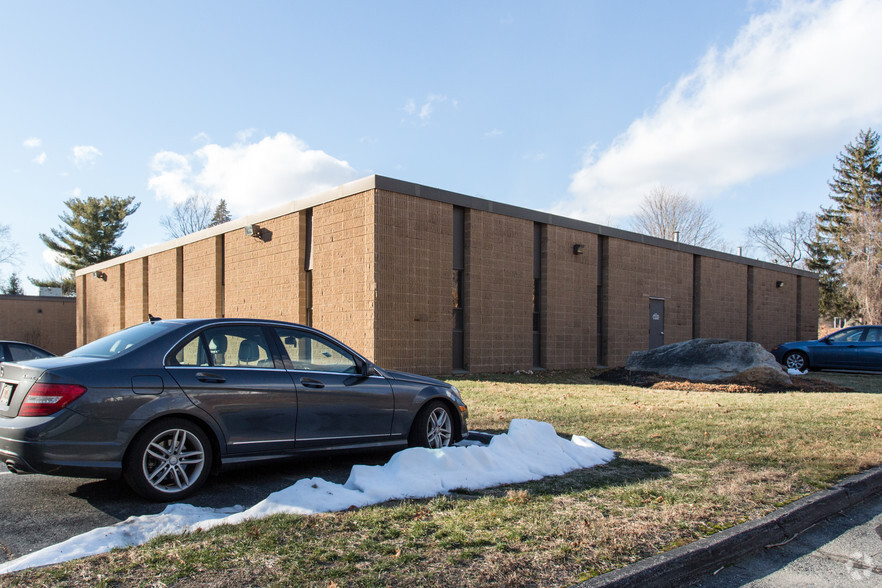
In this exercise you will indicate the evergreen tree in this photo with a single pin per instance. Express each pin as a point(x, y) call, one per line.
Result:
point(13, 287)
point(88, 235)
point(221, 214)
point(856, 188)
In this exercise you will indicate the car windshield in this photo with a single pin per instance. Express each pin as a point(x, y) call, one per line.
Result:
point(122, 341)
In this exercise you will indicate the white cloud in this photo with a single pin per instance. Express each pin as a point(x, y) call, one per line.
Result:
point(424, 111)
point(493, 134)
point(32, 143)
point(85, 154)
point(794, 79)
point(250, 176)
point(50, 257)
point(40, 159)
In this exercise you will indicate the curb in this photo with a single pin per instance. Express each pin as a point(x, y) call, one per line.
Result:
point(705, 556)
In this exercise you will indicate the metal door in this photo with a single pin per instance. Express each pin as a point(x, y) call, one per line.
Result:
point(656, 322)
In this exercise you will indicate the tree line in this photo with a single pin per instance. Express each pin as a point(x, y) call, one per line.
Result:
point(842, 242)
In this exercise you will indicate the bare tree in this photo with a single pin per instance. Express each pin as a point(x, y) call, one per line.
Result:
point(191, 215)
point(9, 250)
point(862, 264)
point(669, 214)
point(785, 243)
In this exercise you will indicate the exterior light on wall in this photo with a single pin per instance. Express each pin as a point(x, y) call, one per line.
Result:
point(578, 249)
point(100, 275)
point(252, 231)
point(779, 284)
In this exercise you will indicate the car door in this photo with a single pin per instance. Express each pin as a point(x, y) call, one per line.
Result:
point(337, 404)
point(870, 350)
point(229, 371)
point(839, 350)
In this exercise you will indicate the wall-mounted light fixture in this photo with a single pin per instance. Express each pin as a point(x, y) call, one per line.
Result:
point(578, 249)
point(100, 275)
point(779, 284)
point(253, 231)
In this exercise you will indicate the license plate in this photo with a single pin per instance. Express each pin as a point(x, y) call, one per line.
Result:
point(5, 393)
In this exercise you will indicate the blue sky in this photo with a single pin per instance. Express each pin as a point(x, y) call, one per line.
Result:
point(574, 107)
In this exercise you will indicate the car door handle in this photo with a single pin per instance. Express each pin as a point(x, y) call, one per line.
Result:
point(212, 378)
point(310, 383)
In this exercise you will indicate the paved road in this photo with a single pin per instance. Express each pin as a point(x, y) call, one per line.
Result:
point(37, 511)
point(842, 550)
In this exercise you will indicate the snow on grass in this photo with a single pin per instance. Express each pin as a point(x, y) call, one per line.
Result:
point(529, 451)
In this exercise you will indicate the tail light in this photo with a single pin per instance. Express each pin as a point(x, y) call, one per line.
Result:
point(46, 399)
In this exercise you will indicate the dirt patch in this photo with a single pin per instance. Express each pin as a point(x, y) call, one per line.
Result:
point(660, 382)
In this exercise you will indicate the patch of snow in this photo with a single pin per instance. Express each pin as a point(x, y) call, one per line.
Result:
point(529, 451)
point(796, 372)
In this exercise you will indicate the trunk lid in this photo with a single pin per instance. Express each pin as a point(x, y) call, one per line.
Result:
point(16, 380)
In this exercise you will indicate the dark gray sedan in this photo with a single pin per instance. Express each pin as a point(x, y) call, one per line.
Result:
point(165, 403)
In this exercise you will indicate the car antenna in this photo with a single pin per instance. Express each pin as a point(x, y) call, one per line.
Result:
point(152, 318)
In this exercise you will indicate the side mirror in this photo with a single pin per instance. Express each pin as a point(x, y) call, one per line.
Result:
point(827, 340)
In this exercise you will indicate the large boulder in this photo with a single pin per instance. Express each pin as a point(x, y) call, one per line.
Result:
point(712, 360)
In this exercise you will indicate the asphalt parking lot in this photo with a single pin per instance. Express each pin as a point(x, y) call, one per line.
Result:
point(39, 511)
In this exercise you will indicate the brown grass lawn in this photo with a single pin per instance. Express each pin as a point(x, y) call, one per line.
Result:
point(691, 461)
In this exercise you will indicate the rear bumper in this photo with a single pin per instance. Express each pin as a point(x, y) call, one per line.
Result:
point(49, 445)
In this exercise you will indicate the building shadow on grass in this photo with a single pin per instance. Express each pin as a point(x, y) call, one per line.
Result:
point(617, 473)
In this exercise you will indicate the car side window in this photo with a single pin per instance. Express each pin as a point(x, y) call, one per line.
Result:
point(312, 353)
point(192, 354)
point(874, 335)
point(227, 346)
point(848, 336)
point(24, 352)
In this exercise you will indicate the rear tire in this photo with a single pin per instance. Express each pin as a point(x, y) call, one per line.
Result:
point(433, 427)
point(169, 460)
point(796, 360)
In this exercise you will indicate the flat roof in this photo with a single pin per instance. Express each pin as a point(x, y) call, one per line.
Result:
point(411, 189)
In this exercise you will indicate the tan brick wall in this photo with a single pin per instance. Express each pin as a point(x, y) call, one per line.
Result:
point(262, 275)
point(82, 296)
point(499, 292)
point(163, 284)
point(136, 291)
point(639, 272)
point(569, 300)
point(809, 326)
point(104, 308)
point(48, 322)
point(774, 309)
point(203, 264)
point(722, 299)
point(344, 287)
point(414, 245)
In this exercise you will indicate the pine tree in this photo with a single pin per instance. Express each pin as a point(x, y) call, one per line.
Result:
point(88, 235)
point(221, 214)
point(855, 189)
point(13, 287)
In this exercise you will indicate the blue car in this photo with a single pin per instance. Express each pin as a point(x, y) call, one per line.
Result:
point(852, 348)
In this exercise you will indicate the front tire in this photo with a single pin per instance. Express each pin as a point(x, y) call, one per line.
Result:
point(169, 460)
point(433, 426)
point(796, 360)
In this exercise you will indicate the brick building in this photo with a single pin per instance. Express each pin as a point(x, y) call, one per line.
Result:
point(45, 321)
point(433, 282)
